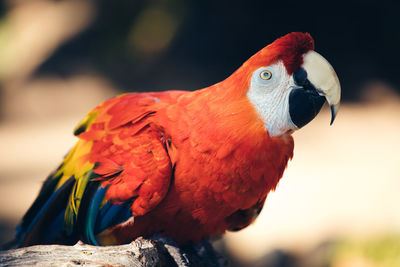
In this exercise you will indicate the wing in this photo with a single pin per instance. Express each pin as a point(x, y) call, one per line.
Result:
point(118, 169)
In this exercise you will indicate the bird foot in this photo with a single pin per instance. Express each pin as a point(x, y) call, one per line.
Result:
point(202, 254)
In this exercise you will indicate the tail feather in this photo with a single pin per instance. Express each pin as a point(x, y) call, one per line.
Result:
point(46, 191)
point(35, 232)
point(9, 245)
point(95, 215)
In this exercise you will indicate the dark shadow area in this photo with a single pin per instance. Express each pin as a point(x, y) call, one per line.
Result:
point(213, 38)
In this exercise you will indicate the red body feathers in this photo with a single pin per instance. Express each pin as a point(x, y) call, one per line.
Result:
point(219, 168)
point(189, 164)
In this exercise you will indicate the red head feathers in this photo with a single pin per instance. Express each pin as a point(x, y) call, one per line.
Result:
point(289, 48)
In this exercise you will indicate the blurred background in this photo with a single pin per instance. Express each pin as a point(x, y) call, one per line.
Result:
point(338, 203)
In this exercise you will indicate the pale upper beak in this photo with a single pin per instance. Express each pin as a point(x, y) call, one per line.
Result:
point(322, 75)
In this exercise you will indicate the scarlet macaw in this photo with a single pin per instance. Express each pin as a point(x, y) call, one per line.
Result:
point(188, 165)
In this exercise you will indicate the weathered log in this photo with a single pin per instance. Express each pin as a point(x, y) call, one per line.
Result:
point(140, 252)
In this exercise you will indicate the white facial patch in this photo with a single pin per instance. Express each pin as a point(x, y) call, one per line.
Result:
point(270, 97)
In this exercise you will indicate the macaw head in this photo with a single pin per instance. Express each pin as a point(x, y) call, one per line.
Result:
point(288, 82)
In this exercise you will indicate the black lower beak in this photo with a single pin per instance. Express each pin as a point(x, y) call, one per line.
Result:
point(304, 105)
point(304, 102)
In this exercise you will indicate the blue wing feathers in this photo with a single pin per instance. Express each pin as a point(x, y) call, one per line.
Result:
point(46, 224)
point(92, 215)
point(110, 215)
point(98, 219)
point(33, 233)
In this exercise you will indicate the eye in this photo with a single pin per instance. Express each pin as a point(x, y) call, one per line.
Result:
point(265, 75)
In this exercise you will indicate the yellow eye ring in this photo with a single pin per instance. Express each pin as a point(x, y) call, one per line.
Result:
point(265, 75)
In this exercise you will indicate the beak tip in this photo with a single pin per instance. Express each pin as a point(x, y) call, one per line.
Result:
point(334, 111)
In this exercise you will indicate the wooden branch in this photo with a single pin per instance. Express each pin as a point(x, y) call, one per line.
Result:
point(140, 252)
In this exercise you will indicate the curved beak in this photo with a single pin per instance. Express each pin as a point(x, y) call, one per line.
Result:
point(322, 75)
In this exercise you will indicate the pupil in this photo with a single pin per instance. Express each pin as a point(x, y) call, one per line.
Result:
point(265, 75)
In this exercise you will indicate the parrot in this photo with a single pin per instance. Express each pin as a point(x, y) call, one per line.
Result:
point(188, 165)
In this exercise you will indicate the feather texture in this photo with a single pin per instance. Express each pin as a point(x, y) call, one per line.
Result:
point(167, 162)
